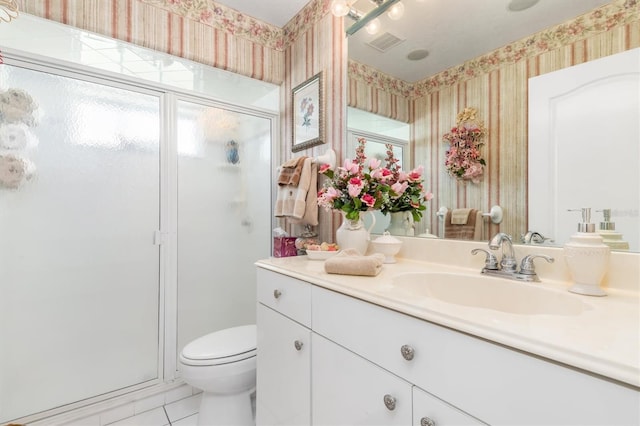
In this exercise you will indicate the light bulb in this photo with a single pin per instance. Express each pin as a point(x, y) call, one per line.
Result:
point(339, 7)
point(373, 27)
point(396, 11)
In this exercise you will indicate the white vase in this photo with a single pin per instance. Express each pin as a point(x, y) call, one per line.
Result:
point(353, 234)
point(401, 224)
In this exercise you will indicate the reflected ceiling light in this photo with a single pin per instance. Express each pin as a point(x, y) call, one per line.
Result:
point(518, 5)
point(361, 20)
point(373, 27)
point(8, 10)
point(339, 8)
point(396, 11)
point(418, 54)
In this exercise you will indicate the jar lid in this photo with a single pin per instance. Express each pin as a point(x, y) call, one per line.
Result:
point(387, 239)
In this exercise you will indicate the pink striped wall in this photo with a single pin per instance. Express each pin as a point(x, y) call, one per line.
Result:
point(321, 47)
point(200, 31)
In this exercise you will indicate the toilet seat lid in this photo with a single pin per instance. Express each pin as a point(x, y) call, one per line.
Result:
point(223, 345)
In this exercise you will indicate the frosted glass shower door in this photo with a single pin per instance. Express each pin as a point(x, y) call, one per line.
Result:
point(224, 216)
point(79, 271)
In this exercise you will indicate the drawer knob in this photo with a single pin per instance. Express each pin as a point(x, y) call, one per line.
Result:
point(298, 345)
point(277, 293)
point(426, 421)
point(407, 352)
point(390, 402)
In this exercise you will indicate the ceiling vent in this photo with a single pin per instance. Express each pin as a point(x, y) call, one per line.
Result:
point(385, 42)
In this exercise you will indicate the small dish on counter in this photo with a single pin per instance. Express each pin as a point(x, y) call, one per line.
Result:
point(321, 254)
point(388, 246)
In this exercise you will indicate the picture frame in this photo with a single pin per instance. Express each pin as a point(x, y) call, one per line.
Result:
point(307, 114)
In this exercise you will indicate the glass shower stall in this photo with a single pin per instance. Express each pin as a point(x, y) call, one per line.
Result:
point(130, 218)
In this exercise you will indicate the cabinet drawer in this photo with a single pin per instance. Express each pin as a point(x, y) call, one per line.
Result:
point(471, 373)
point(349, 390)
point(289, 296)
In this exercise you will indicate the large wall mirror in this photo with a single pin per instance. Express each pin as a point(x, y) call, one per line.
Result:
point(479, 66)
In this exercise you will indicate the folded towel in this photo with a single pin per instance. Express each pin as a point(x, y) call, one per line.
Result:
point(290, 172)
point(460, 216)
point(351, 262)
point(466, 231)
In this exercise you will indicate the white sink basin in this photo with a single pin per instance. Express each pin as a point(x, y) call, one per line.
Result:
point(481, 291)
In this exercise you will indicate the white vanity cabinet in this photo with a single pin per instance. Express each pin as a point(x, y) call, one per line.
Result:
point(362, 352)
point(284, 351)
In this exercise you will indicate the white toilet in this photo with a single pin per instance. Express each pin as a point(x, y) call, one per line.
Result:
point(223, 365)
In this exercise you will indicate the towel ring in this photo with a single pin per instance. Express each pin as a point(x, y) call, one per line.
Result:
point(329, 157)
point(495, 214)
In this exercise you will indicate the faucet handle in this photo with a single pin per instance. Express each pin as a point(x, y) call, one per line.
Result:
point(490, 262)
point(528, 268)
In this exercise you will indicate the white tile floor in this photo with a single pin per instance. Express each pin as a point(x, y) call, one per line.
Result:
point(183, 412)
point(177, 407)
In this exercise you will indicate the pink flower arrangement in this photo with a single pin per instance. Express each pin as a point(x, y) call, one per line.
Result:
point(362, 185)
point(359, 185)
point(463, 159)
point(407, 190)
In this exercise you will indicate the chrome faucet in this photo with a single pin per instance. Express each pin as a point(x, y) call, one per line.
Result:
point(533, 237)
point(507, 268)
point(508, 262)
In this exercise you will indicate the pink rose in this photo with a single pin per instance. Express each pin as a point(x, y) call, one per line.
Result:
point(368, 199)
point(416, 174)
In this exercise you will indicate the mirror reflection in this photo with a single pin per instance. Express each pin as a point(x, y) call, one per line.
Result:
point(488, 71)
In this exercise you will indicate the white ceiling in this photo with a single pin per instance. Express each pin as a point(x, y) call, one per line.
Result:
point(453, 31)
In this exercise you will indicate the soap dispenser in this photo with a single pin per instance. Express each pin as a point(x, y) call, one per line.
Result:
point(608, 231)
point(587, 257)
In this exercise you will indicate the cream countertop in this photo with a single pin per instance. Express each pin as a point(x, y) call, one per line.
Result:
point(603, 339)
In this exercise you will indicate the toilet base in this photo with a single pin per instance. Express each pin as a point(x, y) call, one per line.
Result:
point(226, 410)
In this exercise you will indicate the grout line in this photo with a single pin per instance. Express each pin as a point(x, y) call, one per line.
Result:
point(164, 408)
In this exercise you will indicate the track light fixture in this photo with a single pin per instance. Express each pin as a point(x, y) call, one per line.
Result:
point(343, 8)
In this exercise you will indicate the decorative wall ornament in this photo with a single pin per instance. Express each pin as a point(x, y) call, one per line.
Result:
point(308, 114)
point(463, 160)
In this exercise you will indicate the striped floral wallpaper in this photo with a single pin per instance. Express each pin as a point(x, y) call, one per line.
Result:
point(198, 30)
point(319, 47)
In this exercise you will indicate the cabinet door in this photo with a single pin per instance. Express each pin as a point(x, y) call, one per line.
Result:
point(349, 390)
point(431, 411)
point(283, 370)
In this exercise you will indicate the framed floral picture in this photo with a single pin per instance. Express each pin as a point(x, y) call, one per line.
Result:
point(308, 114)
